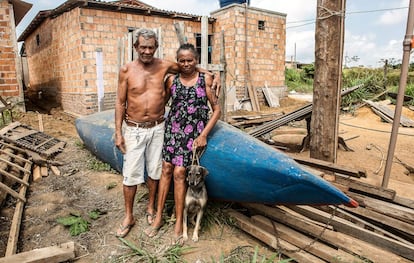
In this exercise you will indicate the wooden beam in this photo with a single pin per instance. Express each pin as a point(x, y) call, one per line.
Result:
point(17, 217)
point(347, 243)
point(383, 219)
point(388, 194)
point(204, 42)
point(348, 228)
point(392, 210)
point(11, 192)
point(298, 239)
point(53, 254)
point(13, 177)
point(270, 239)
point(179, 30)
point(14, 165)
point(329, 166)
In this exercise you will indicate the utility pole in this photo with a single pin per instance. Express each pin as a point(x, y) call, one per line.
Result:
point(329, 39)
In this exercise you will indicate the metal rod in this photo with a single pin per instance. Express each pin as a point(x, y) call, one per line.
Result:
point(401, 92)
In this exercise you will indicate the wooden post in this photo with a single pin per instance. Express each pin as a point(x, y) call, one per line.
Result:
point(179, 30)
point(223, 93)
point(327, 82)
point(204, 42)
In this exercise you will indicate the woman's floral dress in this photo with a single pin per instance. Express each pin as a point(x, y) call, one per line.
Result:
point(186, 120)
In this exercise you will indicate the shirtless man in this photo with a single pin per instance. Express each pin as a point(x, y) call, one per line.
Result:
point(140, 106)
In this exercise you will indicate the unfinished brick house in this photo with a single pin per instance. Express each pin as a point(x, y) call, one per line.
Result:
point(74, 51)
point(11, 13)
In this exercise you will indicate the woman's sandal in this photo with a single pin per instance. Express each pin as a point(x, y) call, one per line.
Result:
point(149, 217)
point(152, 231)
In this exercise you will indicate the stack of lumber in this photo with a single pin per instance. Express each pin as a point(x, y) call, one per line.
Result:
point(387, 114)
point(381, 229)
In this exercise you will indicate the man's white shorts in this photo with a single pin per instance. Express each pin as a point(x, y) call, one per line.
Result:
point(143, 152)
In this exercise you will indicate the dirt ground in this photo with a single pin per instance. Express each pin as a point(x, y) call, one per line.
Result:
point(80, 190)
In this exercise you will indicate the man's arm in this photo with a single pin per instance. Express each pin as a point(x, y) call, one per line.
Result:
point(216, 85)
point(120, 107)
point(201, 140)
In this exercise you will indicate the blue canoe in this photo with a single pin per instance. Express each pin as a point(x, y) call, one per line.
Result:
point(241, 167)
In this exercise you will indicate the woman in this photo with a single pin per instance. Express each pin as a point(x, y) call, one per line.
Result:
point(187, 126)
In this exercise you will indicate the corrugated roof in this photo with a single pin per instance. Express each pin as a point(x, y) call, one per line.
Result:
point(127, 6)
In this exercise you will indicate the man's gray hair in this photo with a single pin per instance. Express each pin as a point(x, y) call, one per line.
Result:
point(147, 34)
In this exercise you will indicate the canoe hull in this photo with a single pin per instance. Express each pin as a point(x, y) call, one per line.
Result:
point(241, 168)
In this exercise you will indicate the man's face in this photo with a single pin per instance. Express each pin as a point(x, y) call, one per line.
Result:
point(146, 49)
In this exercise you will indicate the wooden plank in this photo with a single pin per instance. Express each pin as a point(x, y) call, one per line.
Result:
point(11, 192)
point(392, 210)
point(298, 239)
point(9, 127)
point(399, 200)
point(328, 166)
point(17, 218)
point(246, 225)
point(40, 118)
point(14, 147)
point(36, 173)
point(204, 42)
point(349, 216)
point(14, 165)
point(381, 218)
point(15, 156)
point(271, 98)
point(179, 30)
point(13, 177)
point(347, 243)
point(44, 171)
point(252, 98)
point(55, 170)
point(253, 121)
point(367, 188)
point(53, 254)
point(348, 228)
point(389, 113)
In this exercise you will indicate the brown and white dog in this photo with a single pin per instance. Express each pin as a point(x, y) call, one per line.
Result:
point(195, 199)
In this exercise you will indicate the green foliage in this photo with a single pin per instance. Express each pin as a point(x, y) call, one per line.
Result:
point(244, 254)
point(79, 144)
point(97, 165)
point(374, 81)
point(111, 185)
point(95, 214)
point(299, 80)
point(76, 224)
point(6, 119)
point(140, 254)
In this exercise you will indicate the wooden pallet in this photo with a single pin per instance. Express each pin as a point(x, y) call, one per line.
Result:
point(34, 140)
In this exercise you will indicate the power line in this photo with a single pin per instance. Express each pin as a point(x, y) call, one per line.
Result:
point(312, 21)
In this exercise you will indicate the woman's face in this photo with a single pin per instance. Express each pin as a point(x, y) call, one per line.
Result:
point(186, 61)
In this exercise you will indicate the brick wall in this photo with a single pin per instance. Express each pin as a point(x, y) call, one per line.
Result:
point(65, 58)
point(62, 52)
point(263, 63)
point(9, 74)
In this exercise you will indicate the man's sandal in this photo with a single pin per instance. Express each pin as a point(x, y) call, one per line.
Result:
point(123, 230)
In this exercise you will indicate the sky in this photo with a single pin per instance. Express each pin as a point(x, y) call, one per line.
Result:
point(374, 30)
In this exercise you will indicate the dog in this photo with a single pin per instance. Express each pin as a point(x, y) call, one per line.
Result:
point(195, 199)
